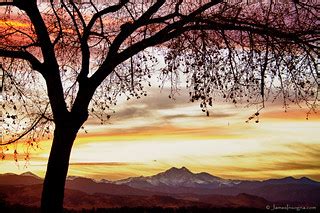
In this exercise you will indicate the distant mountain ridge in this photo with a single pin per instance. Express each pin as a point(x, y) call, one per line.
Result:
point(91, 187)
point(181, 183)
point(175, 177)
point(177, 181)
point(27, 178)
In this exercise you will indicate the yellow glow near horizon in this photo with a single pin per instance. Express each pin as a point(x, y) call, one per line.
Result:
point(282, 144)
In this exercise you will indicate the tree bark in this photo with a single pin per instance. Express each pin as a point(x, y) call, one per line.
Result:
point(57, 168)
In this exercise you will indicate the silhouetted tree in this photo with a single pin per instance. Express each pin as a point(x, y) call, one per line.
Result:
point(86, 53)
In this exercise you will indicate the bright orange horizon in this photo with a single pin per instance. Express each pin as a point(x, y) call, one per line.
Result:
point(149, 136)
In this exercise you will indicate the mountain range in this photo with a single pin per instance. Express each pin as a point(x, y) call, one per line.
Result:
point(175, 177)
point(175, 187)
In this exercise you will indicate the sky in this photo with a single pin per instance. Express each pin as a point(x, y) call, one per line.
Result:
point(152, 134)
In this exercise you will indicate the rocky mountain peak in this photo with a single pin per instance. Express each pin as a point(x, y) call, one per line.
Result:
point(174, 170)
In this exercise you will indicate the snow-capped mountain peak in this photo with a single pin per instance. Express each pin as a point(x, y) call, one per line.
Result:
point(177, 177)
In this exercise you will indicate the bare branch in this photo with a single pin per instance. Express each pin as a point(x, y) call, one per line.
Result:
point(35, 63)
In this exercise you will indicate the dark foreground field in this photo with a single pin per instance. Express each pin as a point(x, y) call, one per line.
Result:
point(22, 209)
point(6, 208)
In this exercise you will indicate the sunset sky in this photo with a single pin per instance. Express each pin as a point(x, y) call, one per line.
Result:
point(152, 134)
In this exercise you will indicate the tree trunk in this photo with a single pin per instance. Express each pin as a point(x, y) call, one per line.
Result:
point(57, 169)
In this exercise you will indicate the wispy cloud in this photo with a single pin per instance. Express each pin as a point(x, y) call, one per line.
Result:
point(102, 164)
point(147, 136)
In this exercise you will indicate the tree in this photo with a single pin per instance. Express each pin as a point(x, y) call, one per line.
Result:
point(87, 53)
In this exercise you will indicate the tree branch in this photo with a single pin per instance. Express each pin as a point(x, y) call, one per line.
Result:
point(7, 4)
point(41, 30)
point(51, 71)
point(96, 16)
point(35, 63)
point(32, 127)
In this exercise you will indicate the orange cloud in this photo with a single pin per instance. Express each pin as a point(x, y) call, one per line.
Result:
point(14, 23)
